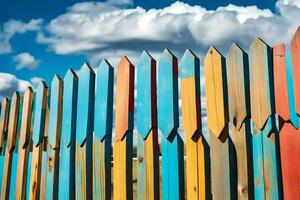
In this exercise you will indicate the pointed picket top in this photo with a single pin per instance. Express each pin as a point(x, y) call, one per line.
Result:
point(238, 85)
point(189, 72)
point(167, 94)
point(4, 119)
point(261, 96)
point(55, 112)
point(216, 94)
point(104, 100)
point(26, 117)
point(39, 113)
point(280, 82)
point(124, 98)
point(13, 121)
point(146, 108)
point(85, 104)
point(295, 51)
point(70, 90)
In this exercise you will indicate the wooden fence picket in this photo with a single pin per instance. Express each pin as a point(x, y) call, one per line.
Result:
point(66, 183)
point(264, 134)
point(3, 133)
point(239, 113)
point(123, 144)
point(54, 133)
point(222, 169)
point(24, 145)
point(197, 151)
point(146, 123)
point(84, 133)
point(38, 140)
point(168, 123)
point(11, 142)
point(102, 148)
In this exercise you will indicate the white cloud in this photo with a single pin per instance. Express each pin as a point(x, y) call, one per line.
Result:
point(9, 83)
point(100, 30)
point(13, 27)
point(25, 60)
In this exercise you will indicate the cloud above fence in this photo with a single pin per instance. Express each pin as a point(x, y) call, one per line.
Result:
point(100, 30)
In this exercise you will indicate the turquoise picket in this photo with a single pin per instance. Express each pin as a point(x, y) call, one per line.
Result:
point(146, 123)
point(168, 123)
point(265, 136)
point(103, 117)
point(84, 133)
point(66, 185)
point(54, 133)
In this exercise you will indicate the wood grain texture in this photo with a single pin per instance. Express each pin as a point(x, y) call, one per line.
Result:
point(122, 150)
point(260, 69)
point(146, 122)
point(239, 113)
point(3, 122)
point(295, 51)
point(38, 139)
point(216, 94)
point(103, 131)
point(23, 146)
point(11, 142)
point(168, 123)
point(84, 133)
point(54, 133)
point(66, 185)
point(189, 71)
point(124, 98)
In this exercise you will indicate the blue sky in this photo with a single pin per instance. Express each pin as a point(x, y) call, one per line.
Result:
point(41, 38)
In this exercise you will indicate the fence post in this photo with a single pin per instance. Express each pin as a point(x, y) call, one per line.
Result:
point(239, 113)
point(197, 152)
point(66, 183)
point(168, 123)
point(122, 149)
point(38, 137)
point(221, 155)
point(84, 133)
point(103, 131)
point(11, 142)
point(3, 133)
point(24, 144)
point(265, 136)
point(146, 123)
point(54, 133)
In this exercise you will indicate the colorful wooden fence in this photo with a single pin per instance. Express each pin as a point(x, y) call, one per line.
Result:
point(68, 142)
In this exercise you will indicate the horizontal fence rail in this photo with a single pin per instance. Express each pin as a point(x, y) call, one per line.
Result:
point(76, 138)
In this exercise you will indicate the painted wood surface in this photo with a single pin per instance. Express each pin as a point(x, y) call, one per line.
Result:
point(146, 123)
point(168, 123)
point(103, 131)
point(265, 136)
point(239, 114)
point(3, 123)
point(217, 119)
point(295, 52)
point(37, 137)
point(66, 185)
point(122, 152)
point(54, 133)
point(84, 133)
point(289, 135)
point(23, 146)
point(11, 142)
point(197, 182)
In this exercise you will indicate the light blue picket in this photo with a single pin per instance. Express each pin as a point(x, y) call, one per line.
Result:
point(84, 133)
point(66, 186)
point(265, 136)
point(54, 134)
point(168, 123)
point(103, 117)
